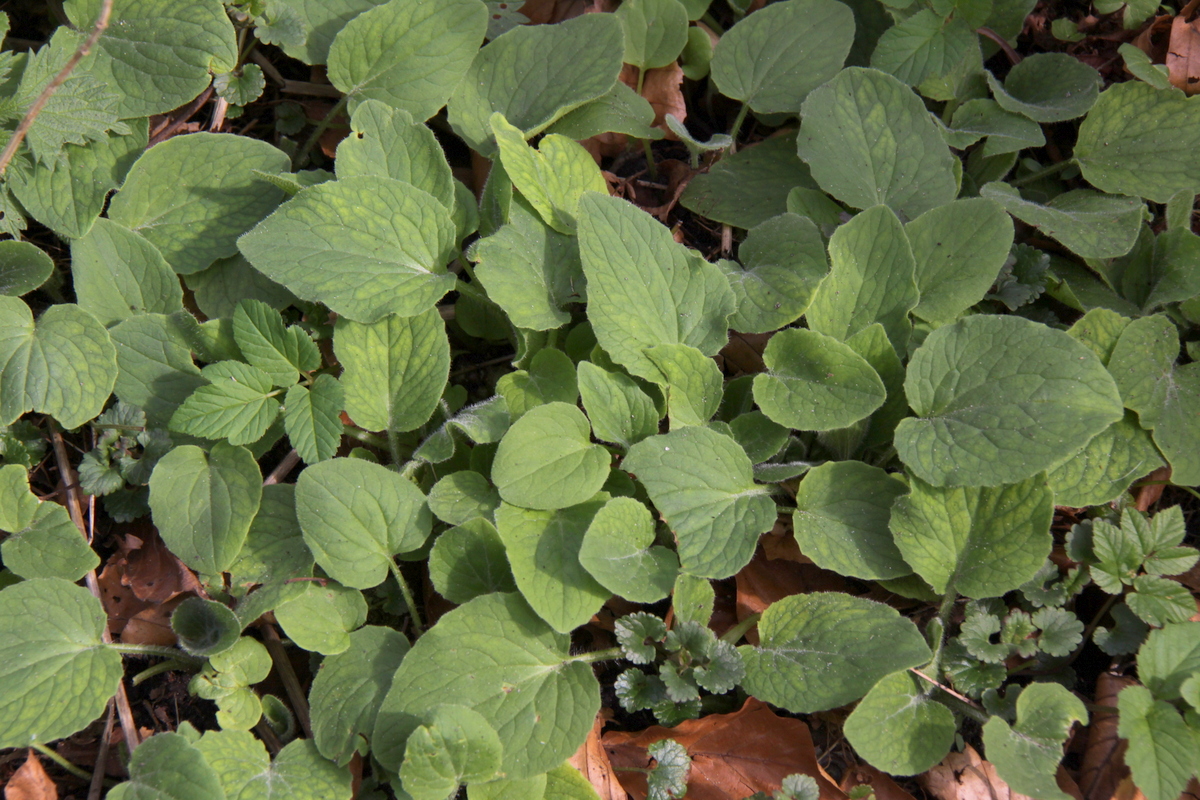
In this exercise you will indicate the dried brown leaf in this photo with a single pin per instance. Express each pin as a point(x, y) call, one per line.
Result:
point(663, 89)
point(966, 776)
point(882, 785)
point(1104, 756)
point(591, 760)
point(30, 782)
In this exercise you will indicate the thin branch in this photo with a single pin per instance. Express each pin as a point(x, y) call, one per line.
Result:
point(97, 785)
point(287, 674)
point(1013, 56)
point(282, 469)
point(181, 119)
point(27, 122)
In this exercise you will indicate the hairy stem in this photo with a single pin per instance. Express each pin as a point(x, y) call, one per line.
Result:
point(62, 762)
point(155, 650)
point(595, 657)
point(409, 600)
point(287, 674)
point(737, 126)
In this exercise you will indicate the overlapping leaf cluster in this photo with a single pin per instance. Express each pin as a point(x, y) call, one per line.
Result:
point(931, 388)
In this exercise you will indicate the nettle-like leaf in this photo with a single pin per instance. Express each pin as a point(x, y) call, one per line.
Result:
point(981, 421)
point(311, 417)
point(899, 728)
point(618, 550)
point(535, 74)
point(481, 654)
point(356, 516)
point(1169, 658)
point(1162, 745)
point(55, 672)
point(823, 650)
point(407, 54)
point(366, 246)
point(238, 404)
point(546, 460)
point(1027, 753)
point(266, 343)
point(702, 483)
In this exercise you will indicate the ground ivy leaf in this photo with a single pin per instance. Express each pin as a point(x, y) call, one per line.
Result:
point(869, 140)
point(980, 542)
point(192, 198)
point(274, 549)
point(693, 383)
point(469, 560)
point(899, 728)
point(166, 766)
point(1027, 753)
point(463, 496)
point(279, 351)
point(530, 270)
point(771, 62)
point(543, 549)
point(155, 369)
point(553, 177)
point(1137, 140)
point(1090, 224)
point(55, 672)
point(311, 417)
point(815, 383)
point(959, 249)
point(549, 379)
point(618, 550)
point(783, 261)
point(546, 459)
point(999, 399)
point(117, 274)
point(203, 503)
point(321, 618)
point(1165, 397)
point(179, 44)
point(1105, 468)
point(494, 654)
point(644, 289)
point(619, 410)
point(926, 45)
point(751, 186)
point(1162, 747)
point(841, 520)
point(1048, 87)
point(535, 74)
point(394, 369)
point(702, 483)
point(357, 515)
point(365, 246)
point(63, 365)
point(823, 650)
point(873, 279)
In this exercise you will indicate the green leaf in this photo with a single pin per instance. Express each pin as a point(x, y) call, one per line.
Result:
point(535, 74)
point(546, 460)
point(618, 550)
point(203, 503)
point(644, 289)
point(774, 57)
point(246, 771)
point(530, 270)
point(1159, 600)
point(815, 383)
point(1105, 468)
point(407, 53)
point(1168, 658)
point(553, 177)
point(23, 267)
point(463, 496)
point(228, 281)
point(783, 260)
point(1026, 754)
point(192, 197)
point(322, 617)
point(240, 88)
point(669, 776)
point(55, 672)
point(168, 767)
point(959, 249)
point(525, 789)
point(702, 483)
point(750, 187)
point(823, 650)
point(1162, 747)
point(1137, 141)
point(468, 561)
point(274, 548)
point(65, 365)
point(1006, 132)
point(549, 379)
point(980, 542)
point(493, 654)
point(620, 110)
point(1048, 87)
point(924, 46)
point(1099, 329)
point(619, 410)
point(321, 21)
point(543, 549)
point(841, 520)
point(693, 383)
point(456, 745)
point(869, 140)
point(155, 370)
point(655, 32)
point(205, 627)
point(1165, 397)
point(872, 279)
point(1138, 62)
point(357, 515)
point(1088, 223)
point(394, 369)
point(311, 417)
point(759, 436)
point(179, 44)
point(348, 689)
point(237, 405)
point(365, 246)
point(117, 274)
point(262, 338)
point(483, 423)
point(899, 728)
point(1124, 637)
point(566, 782)
point(43, 542)
point(999, 399)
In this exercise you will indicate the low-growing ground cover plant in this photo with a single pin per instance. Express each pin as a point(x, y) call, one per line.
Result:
point(420, 445)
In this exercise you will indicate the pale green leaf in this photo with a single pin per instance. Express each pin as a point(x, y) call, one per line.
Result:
point(279, 351)
point(1006, 132)
point(1162, 747)
point(926, 45)
point(168, 767)
point(242, 87)
point(783, 260)
point(619, 410)
point(48, 545)
point(1169, 657)
point(899, 728)
point(702, 483)
point(750, 187)
point(565, 782)
point(246, 772)
point(1027, 753)
point(321, 21)
point(456, 745)
point(1000, 399)
point(549, 379)
point(546, 461)
point(155, 368)
point(1138, 62)
point(312, 418)
point(1105, 468)
point(236, 405)
point(1048, 87)
point(469, 560)
point(483, 423)
point(693, 383)
point(511, 789)
point(619, 551)
point(655, 32)
point(620, 110)
point(322, 617)
point(274, 549)
point(218, 289)
point(117, 274)
point(758, 435)
point(463, 496)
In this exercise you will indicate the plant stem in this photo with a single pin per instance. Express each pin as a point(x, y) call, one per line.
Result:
point(1053, 169)
point(650, 165)
point(737, 127)
point(734, 634)
point(154, 650)
point(158, 669)
point(62, 762)
point(366, 437)
point(943, 619)
point(287, 674)
point(395, 449)
point(595, 657)
point(408, 597)
point(322, 126)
